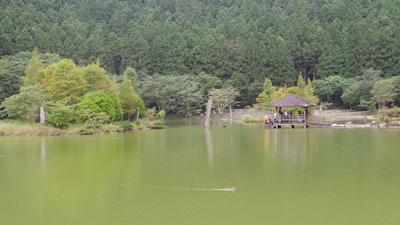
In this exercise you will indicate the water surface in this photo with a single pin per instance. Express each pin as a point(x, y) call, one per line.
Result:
point(169, 176)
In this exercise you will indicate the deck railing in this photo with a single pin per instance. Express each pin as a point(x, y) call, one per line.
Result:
point(291, 119)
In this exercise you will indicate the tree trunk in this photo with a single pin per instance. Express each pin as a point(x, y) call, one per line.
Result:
point(42, 115)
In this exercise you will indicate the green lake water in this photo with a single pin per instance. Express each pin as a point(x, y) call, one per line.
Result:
point(178, 176)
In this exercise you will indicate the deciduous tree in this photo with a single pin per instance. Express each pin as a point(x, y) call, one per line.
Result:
point(100, 101)
point(383, 92)
point(26, 104)
point(97, 78)
point(64, 81)
point(223, 98)
point(132, 104)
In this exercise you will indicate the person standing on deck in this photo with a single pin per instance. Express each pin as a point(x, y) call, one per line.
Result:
point(285, 116)
point(266, 120)
point(299, 117)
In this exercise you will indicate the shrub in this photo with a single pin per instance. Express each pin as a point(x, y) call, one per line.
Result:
point(101, 102)
point(149, 114)
point(161, 114)
point(158, 124)
point(60, 117)
point(142, 122)
point(125, 125)
point(388, 115)
point(89, 116)
point(251, 119)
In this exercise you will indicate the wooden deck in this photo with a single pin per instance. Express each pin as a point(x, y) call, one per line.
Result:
point(287, 121)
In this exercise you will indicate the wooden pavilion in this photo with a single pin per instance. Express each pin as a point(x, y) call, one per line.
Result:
point(288, 118)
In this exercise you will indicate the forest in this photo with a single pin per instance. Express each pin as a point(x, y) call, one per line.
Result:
point(347, 50)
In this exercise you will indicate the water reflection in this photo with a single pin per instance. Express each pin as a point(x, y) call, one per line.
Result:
point(291, 148)
point(210, 150)
point(43, 151)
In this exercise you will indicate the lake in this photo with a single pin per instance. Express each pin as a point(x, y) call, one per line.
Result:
point(184, 175)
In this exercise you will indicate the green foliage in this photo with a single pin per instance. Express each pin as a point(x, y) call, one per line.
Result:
point(383, 92)
point(158, 124)
point(191, 100)
point(26, 104)
point(252, 119)
point(98, 79)
point(263, 99)
point(321, 38)
point(223, 98)
point(142, 122)
point(132, 104)
point(359, 94)
point(388, 115)
point(60, 116)
point(131, 74)
point(64, 81)
point(126, 125)
point(33, 72)
point(165, 91)
point(237, 42)
point(161, 114)
point(269, 89)
point(208, 82)
point(90, 116)
point(11, 72)
point(322, 90)
point(150, 113)
point(95, 103)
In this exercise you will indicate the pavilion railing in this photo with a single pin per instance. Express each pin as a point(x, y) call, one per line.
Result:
point(291, 119)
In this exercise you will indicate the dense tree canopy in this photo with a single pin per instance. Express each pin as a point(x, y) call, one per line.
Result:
point(102, 102)
point(64, 81)
point(166, 45)
point(26, 104)
point(266, 38)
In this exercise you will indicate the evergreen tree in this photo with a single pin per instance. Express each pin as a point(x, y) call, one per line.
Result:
point(281, 64)
point(34, 70)
point(6, 36)
point(24, 41)
point(132, 76)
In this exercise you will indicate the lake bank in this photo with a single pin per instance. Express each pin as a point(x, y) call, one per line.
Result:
point(320, 118)
point(17, 128)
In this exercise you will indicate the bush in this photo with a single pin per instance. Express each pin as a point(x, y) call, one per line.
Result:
point(142, 122)
point(158, 124)
point(89, 116)
point(100, 102)
point(149, 114)
point(388, 115)
point(125, 125)
point(252, 119)
point(60, 117)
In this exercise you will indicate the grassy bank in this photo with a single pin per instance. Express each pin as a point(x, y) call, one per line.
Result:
point(18, 128)
point(252, 119)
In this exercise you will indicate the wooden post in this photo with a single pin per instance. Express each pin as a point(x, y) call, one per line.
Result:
point(208, 114)
point(230, 110)
point(305, 117)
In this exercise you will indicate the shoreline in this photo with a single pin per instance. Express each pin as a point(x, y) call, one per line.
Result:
point(17, 128)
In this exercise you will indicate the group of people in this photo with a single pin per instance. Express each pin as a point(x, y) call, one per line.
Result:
point(285, 116)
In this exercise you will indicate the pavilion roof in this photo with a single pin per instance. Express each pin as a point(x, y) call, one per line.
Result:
point(291, 101)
